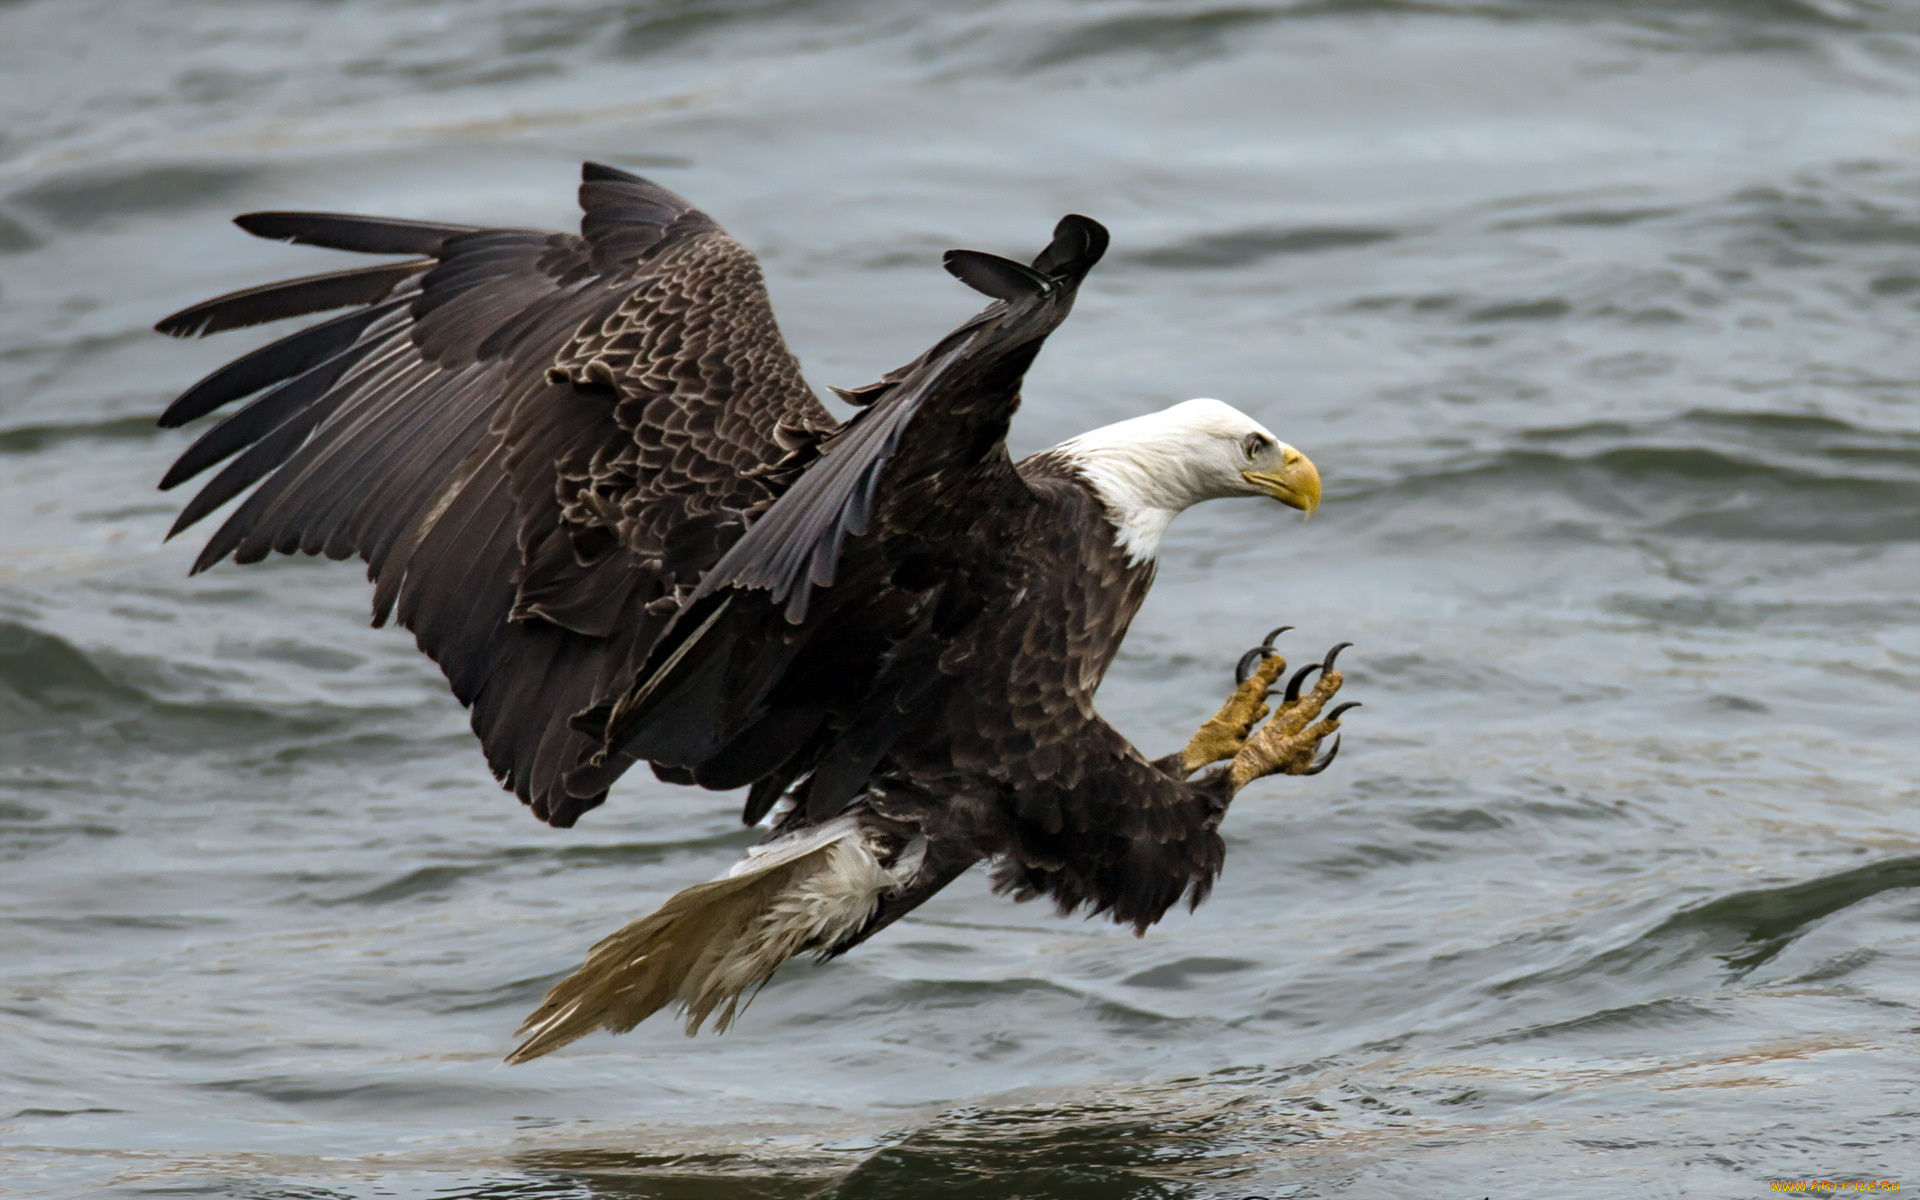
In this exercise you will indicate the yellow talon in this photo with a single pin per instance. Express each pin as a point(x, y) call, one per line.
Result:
point(1226, 731)
point(1287, 744)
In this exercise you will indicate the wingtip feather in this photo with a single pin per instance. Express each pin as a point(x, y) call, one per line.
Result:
point(989, 274)
point(593, 172)
point(352, 231)
point(1078, 243)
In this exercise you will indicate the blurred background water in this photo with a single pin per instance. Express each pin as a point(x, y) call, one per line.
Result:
point(1599, 320)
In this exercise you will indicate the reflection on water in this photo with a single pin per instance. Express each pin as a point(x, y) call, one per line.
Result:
point(1599, 319)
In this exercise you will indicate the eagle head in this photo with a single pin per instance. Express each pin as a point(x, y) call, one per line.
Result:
point(1149, 469)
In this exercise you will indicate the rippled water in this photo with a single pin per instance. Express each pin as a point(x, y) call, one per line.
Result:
point(1599, 319)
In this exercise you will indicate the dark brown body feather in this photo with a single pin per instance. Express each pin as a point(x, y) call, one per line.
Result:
point(1016, 764)
point(586, 473)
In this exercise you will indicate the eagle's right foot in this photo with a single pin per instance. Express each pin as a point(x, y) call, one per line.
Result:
point(1226, 731)
point(1287, 744)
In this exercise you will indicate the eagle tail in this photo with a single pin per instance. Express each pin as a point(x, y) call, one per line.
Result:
point(710, 948)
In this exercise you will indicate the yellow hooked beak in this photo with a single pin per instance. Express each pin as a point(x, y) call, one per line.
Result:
point(1296, 484)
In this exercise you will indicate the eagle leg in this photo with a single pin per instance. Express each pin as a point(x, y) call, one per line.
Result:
point(1226, 731)
point(1287, 744)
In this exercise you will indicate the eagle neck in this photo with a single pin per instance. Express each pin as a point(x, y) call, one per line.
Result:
point(1135, 498)
point(1136, 529)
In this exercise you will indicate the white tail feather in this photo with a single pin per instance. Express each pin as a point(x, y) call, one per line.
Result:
point(715, 944)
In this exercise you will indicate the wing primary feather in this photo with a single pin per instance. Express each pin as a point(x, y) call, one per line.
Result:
point(443, 594)
point(255, 421)
point(470, 519)
point(290, 298)
point(444, 487)
point(346, 231)
point(382, 476)
point(260, 458)
point(1078, 243)
point(273, 449)
point(594, 172)
point(354, 375)
point(357, 452)
point(418, 550)
point(270, 364)
point(1001, 278)
point(413, 470)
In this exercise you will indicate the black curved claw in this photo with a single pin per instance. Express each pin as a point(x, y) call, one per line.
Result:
point(1335, 714)
point(1326, 664)
point(1326, 760)
point(1299, 677)
point(1248, 661)
point(1251, 659)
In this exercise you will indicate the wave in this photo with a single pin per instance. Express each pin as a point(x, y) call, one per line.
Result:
point(45, 674)
point(1225, 1133)
point(32, 439)
point(1749, 928)
point(15, 236)
point(1240, 247)
point(1001, 38)
point(48, 683)
point(1202, 32)
point(94, 197)
point(1703, 946)
point(1727, 475)
point(1196, 34)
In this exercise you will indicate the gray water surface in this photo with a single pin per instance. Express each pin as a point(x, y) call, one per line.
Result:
point(1599, 319)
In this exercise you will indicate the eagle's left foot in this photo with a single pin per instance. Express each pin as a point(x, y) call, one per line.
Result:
point(1287, 744)
point(1226, 731)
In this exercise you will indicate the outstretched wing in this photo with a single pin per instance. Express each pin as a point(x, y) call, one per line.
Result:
point(816, 641)
point(538, 442)
point(934, 429)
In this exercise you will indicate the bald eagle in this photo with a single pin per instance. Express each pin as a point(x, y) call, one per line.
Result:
point(585, 472)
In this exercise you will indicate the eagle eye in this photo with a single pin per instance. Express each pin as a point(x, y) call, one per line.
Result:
point(1255, 444)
